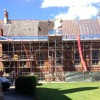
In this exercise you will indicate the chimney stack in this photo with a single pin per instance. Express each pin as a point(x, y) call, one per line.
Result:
point(5, 16)
point(1, 32)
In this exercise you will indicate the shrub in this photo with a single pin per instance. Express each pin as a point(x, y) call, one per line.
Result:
point(26, 85)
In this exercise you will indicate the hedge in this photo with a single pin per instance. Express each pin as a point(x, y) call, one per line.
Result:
point(26, 85)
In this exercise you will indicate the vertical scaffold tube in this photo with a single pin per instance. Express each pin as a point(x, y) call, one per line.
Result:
point(26, 51)
point(80, 53)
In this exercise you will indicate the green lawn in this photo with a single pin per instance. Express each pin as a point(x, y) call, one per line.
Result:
point(69, 91)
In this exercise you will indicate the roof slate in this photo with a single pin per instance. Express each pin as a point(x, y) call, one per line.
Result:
point(26, 28)
point(45, 27)
point(21, 28)
point(36, 27)
point(81, 27)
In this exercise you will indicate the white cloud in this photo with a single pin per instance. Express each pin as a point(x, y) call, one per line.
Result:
point(78, 12)
point(82, 9)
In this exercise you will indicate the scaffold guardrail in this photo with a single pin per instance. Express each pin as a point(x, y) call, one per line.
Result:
point(55, 32)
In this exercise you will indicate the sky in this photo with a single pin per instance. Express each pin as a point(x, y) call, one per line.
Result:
point(52, 9)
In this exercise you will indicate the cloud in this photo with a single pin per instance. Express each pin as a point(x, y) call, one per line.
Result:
point(82, 9)
point(78, 12)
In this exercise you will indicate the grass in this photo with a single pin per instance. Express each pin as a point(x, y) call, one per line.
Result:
point(69, 91)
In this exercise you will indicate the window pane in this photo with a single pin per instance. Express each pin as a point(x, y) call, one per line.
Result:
point(41, 59)
point(95, 57)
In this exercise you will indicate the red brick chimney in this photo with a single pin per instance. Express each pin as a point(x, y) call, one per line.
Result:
point(1, 32)
point(5, 16)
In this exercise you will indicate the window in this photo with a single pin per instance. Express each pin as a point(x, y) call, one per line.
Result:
point(95, 57)
point(77, 58)
point(41, 58)
point(59, 57)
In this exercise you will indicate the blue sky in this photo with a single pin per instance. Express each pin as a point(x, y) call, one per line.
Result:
point(44, 9)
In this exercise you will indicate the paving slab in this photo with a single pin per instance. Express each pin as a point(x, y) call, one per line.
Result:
point(12, 95)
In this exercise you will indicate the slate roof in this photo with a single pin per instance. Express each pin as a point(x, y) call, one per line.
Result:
point(81, 27)
point(45, 27)
point(25, 28)
point(36, 27)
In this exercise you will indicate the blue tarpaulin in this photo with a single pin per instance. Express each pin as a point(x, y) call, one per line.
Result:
point(23, 38)
point(45, 38)
point(82, 37)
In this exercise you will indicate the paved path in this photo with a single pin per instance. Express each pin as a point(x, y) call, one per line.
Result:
point(11, 95)
point(15, 97)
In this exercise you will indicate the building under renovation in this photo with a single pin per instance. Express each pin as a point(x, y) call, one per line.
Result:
point(49, 48)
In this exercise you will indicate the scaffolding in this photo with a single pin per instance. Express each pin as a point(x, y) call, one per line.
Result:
point(33, 54)
point(49, 56)
point(55, 54)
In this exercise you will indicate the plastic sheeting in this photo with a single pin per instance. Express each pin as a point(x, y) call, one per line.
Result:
point(23, 38)
point(82, 76)
point(82, 37)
